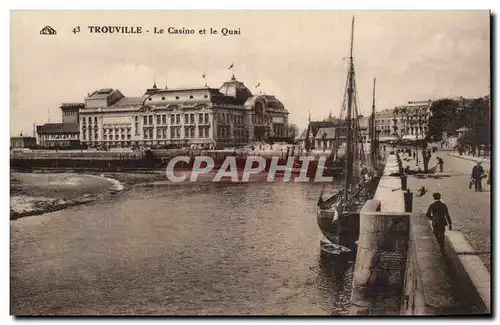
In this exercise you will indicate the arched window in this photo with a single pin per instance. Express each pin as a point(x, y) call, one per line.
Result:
point(259, 110)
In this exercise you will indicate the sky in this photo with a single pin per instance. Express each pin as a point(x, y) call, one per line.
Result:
point(298, 56)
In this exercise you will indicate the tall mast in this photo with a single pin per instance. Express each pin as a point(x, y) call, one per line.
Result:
point(349, 154)
point(372, 126)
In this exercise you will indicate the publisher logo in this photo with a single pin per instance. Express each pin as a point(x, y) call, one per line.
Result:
point(47, 30)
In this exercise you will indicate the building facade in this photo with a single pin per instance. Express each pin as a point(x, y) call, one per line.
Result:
point(324, 135)
point(403, 122)
point(61, 135)
point(407, 122)
point(22, 142)
point(328, 138)
point(385, 123)
point(411, 121)
point(209, 117)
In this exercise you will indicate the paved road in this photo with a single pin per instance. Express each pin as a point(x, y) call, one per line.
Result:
point(470, 211)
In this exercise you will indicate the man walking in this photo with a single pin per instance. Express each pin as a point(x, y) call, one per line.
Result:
point(440, 217)
point(477, 175)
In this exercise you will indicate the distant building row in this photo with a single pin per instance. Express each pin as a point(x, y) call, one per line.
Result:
point(210, 117)
point(407, 122)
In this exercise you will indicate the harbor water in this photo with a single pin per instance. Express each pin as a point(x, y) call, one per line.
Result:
point(179, 249)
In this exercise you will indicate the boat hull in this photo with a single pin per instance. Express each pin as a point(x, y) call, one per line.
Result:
point(342, 230)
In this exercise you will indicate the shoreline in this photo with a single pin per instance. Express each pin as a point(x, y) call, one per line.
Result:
point(39, 193)
point(46, 205)
point(32, 195)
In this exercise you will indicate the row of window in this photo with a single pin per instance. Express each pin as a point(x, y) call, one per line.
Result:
point(189, 118)
point(84, 136)
point(260, 119)
point(279, 130)
point(116, 130)
point(58, 136)
point(223, 131)
point(177, 97)
point(175, 133)
point(391, 121)
point(85, 119)
point(116, 137)
point(175, 119)
point(189, 132)
point(227, 118)
point(69, 113)
point(240, 133)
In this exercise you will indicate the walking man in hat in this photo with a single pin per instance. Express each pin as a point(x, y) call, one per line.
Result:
point(439, 215)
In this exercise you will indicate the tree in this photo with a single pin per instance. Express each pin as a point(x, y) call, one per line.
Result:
point(444, 118)
point(293, 131)
point(476, 118)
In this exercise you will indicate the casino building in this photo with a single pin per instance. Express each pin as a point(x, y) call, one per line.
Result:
point(214, 118)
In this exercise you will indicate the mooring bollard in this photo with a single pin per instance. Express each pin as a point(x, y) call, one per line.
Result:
point(408, 197)
point(404, 182)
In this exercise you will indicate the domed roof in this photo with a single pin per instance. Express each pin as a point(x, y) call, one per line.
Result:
point(269, 102)
point(273, 102)
point(236, 89)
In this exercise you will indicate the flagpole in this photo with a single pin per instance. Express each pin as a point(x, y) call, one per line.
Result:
point(258, 86)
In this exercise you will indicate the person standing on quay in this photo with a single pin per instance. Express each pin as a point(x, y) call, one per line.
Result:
point(477, 175)
point(426, 161)
point(439, 215)
point(440, 163)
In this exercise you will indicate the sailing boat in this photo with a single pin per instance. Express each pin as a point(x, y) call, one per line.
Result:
point(338, 208)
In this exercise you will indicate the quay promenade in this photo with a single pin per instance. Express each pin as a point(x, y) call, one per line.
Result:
point(400, 269)
point(470, 211)
point(471, 158)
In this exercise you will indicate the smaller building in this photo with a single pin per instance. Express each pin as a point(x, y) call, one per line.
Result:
point(330, 137)
point(22, 142)
point(324, 134)
point(65, 134)
point(58, 135)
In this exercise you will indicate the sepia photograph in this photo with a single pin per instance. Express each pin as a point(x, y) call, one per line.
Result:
point(250, 163)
